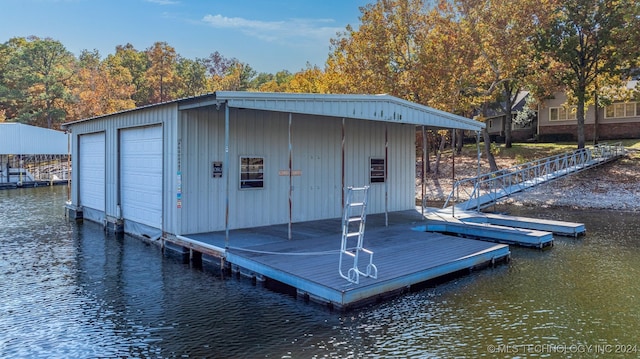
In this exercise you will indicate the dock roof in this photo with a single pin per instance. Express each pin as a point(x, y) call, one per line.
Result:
point(383, 108)
point(20, 139)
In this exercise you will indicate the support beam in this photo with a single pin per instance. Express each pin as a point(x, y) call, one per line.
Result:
point(386, 179)
point(225, 170)
point(342, 173)
point(424, 165)
point(290, 179)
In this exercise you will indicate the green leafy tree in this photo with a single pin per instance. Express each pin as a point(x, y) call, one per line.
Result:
point(9, 92)
point(587, 38)
point(191, 76)
point(137, 63)
point(38, 77)
point(501, 30)
point(238, 77)
point(267, 82)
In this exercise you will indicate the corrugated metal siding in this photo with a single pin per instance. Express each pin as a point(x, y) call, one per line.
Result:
point(191, 145)
point(201, 142)
point(252, 133)
point(150, 116)
point(367, 139)
point(316, 154)
point(259, 134)
point(170, 219)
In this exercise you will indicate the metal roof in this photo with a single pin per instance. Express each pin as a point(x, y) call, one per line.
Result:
point(365, 107)
point(21, 139)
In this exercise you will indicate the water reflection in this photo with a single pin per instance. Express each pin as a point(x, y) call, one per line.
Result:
point(69, 290)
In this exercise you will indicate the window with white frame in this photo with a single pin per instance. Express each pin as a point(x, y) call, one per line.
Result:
point(251, 172)
point(562, 113)
point(622, 110)
point(377, 168)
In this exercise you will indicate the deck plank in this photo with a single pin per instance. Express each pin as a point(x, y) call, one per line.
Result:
point(398, 252)
point(403, 255)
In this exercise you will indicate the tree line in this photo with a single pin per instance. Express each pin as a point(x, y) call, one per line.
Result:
point(459, 56)
point(44, 84)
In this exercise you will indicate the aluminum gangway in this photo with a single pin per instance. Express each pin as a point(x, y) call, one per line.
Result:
point(474, 194)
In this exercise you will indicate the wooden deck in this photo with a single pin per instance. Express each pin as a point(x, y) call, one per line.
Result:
point(403, 254)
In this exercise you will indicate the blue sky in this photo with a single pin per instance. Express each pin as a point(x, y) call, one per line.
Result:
point(269, 35)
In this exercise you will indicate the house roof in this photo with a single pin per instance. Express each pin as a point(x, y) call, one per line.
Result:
point(496, 109)
point(364, 107)
point(20, 139)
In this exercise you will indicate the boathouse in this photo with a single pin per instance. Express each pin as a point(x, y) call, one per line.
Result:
point(230, 160)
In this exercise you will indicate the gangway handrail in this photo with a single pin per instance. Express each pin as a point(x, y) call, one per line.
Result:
point(493, 186)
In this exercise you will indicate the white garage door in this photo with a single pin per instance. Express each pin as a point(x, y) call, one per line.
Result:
point(91, 172)
point(141, 175)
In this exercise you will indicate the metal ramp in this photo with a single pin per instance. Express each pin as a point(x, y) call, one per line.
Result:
point(483, 191)
point(353, 222)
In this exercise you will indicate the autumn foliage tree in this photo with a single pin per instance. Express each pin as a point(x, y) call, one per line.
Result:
point(161, 72)
point(381, 55)
point(102, 87)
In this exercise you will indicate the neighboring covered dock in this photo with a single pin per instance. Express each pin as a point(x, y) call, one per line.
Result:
point(32, 156)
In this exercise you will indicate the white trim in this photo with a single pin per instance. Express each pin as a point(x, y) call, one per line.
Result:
point(636, 110)
point(567, 110)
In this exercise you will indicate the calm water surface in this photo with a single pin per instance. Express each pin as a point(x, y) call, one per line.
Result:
point(69, 290)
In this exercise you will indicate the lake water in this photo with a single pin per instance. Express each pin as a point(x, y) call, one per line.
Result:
point(69, 290)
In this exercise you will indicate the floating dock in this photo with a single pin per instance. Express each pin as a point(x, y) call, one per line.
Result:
point(308, 263)
point(411, 250)
point(522, 231)
point(561, 228)
point(501, 234)
point(31, 184)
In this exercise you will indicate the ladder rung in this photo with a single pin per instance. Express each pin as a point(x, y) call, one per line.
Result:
point(350, 253)
point(356, 204)
point(355, 219)
point(358, 188)
point(353, 234)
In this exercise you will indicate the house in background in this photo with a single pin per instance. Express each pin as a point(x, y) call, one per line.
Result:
point(496, 121)
point(231, 160)
point(557, 120)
